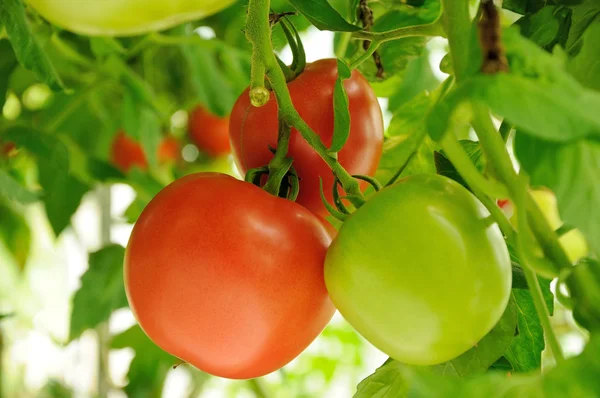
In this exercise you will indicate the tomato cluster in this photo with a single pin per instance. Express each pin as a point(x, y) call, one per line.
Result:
point(238, 282)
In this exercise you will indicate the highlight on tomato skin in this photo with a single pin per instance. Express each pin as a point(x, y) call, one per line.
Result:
point(227, 277)
point(209, 132)
point(253, 130)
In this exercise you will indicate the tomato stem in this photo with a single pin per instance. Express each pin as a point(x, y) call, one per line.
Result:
point(258, 33)
point(366, 55)
point(433, 29)
point(280, 164)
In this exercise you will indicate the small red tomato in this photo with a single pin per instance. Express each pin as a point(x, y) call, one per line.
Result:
point(169, 150)
point(127, 153)
point(209, 132)
point(228, 277)
point(253, 130)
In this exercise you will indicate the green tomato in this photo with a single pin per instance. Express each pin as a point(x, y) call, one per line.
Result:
point(420, 271)
point(124, 17)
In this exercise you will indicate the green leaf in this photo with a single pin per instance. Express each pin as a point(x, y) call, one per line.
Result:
point(341, 112)
point(13, 191)
point(547, 27)
point(15, 232)
point(105, 46)
point(408, 136)
point(585, 66)
point(572, 172)
point(150, 135)
point(148, 368)
point(584, 291)
point(551, 104)
point(525, 351)
point(576, 377)
point(8, 62)
point(583, 16)
point(323, 16)
point(26, 44)
point(101, 290)
point(479, 358)
point(63, 192)
point(446, 168)
point(523, 6)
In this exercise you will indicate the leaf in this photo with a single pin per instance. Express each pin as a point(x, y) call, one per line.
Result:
point(63, 192)
point(583, 16)
point(547, 27)
point(101, 290)
point(15, 232)
point(323, 16)
point(525, 351)
point(572, 172)
point(585, 66)
point(407, 137)
point(148, 368)
point(26, 45)
point(8, 62)
point(150, 136)
point(523, 6)
point(13, 191)
point(341, 112)
point(575, 377)
point(479, 358)
point(446, 168)
point(551, 104)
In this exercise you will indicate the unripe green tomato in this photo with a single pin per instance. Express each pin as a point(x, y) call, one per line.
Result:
point(124, 17)
point(420, 271)
point(574, 244)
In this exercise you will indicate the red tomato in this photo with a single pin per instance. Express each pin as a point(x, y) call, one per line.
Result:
point(209, 132)
point(169, 150)
point(228, 277)
point(127, 153)
point(252, 130)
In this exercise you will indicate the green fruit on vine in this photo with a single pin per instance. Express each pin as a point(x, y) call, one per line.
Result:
point(420, 271)
point(124, 17)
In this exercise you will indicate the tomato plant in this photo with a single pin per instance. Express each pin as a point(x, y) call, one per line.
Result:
point(233, 283)
point(488, 284)
point(254, 130)
point(209, 132)
point(431, 273)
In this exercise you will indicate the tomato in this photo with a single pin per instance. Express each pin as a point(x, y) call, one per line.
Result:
point(169, 150)
point(227, 277)
point(124, 17)
point(573, 242)
point(419, 271)
point(127, 153)
point(209, 132)
point(253, 130)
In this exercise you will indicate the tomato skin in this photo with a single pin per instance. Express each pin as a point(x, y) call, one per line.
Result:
point(124, 17)
point(252, 130)
point(227, 277)
point(127, 153)
point(419, 272)
point(209, 132)
point(169, 150)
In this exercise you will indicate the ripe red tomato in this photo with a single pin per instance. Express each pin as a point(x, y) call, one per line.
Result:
point(252, 130)
point(227, 277)
point(209, 132)
point(169, 150)
point(127, 153)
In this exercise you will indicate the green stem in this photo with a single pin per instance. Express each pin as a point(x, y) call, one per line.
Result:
point(258, 33)
point(432, 29)
point(104, 202)
point(259, 388)
point(495, 150)
point(366, 55)
point(343, 44)
point(280, 164)
point(532, 280)
point(457, 24)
